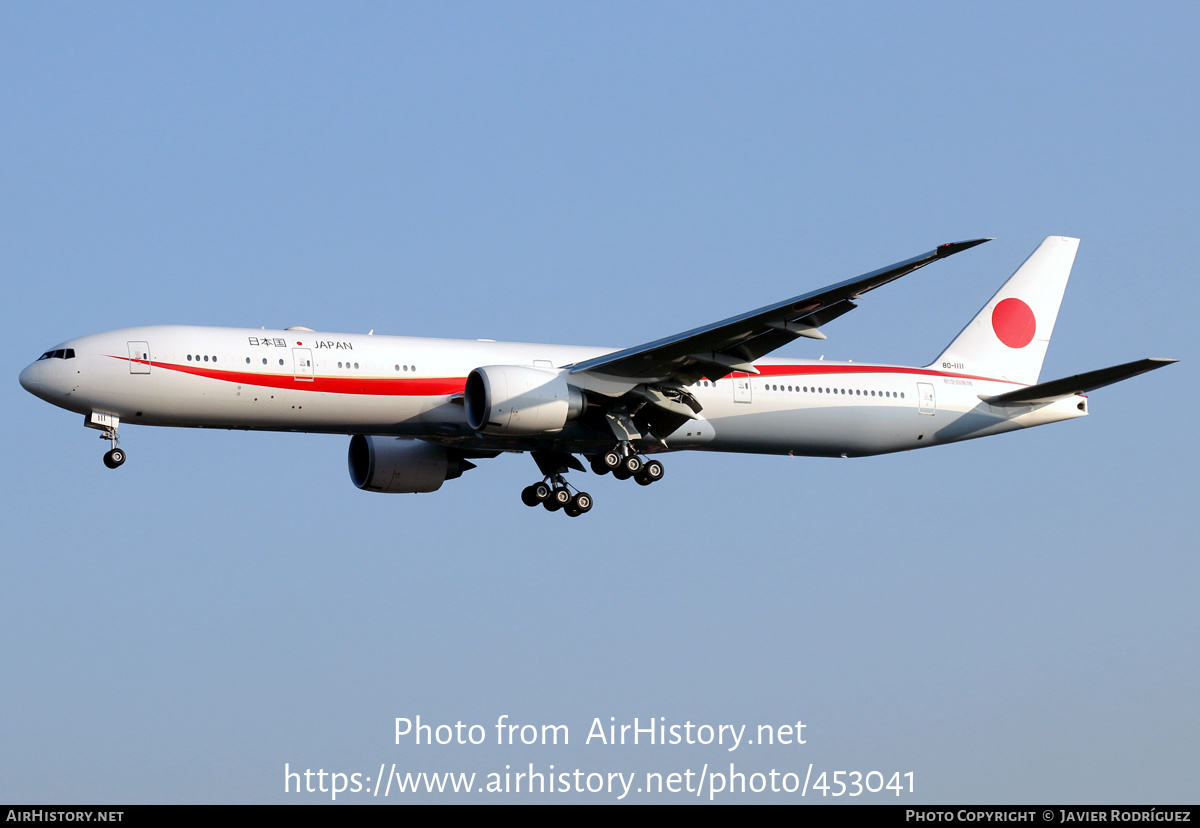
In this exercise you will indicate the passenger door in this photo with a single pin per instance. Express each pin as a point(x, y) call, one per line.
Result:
point(139, 357)
point(742, 389)
point(305, 369)
point(927, 400)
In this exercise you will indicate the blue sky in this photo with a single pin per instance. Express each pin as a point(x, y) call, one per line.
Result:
point(1012, 620)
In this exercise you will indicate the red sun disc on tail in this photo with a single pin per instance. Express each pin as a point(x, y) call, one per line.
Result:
point(1013, 322)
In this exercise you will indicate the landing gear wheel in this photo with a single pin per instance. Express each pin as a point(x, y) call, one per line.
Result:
point(559, 498)
point(643, 479)
point(612, 460)
point(535, 494)
point(633, 464)
point(598, 465)
point(114, 458)
point(581, 503)
point(653, 471)
point(621, 473)
point(572, 511)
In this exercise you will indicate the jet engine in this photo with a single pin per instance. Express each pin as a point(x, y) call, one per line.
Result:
point(516, 399)
point(400, 464)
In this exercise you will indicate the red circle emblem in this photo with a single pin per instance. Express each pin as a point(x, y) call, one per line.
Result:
point(1013, 322)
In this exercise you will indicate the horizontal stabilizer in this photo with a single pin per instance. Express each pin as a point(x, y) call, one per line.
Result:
point(1046, 392)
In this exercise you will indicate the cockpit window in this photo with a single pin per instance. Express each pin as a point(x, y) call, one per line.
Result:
point(61, 353)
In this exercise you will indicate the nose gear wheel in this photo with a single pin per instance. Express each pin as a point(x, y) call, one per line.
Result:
point(107, 425)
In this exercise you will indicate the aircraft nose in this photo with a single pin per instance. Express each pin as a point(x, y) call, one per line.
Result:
point(29, 378)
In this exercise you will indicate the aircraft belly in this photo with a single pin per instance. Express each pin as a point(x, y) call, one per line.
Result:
point(826, 431)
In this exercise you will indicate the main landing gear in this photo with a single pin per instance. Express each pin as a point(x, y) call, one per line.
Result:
point(554, 493)
point(627, 464)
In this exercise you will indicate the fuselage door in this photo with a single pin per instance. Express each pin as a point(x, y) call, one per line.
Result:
point(741, 386)
point(305, 369)
point(139, 357)
point(928, 402)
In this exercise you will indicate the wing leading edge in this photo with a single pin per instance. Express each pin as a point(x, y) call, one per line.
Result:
point(733, 344)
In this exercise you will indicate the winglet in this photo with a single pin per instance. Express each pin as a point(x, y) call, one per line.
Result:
point(950, 248)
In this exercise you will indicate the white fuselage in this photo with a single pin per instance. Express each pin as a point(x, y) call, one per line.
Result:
point(290, 380)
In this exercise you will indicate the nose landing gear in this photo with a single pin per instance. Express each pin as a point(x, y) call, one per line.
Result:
point(107, 424)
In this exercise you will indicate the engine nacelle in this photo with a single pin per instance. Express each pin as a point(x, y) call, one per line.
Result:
point(516, 399)
point(400, 464)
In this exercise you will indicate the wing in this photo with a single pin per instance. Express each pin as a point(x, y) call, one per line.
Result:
point(734, 343)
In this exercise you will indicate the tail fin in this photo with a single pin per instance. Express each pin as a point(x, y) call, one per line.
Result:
point(1009, 337)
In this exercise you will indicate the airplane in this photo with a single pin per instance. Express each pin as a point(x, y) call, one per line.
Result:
point(418, 411)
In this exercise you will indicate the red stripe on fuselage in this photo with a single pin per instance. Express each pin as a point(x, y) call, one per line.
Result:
point(446, 386)
point(373, 386)
point(834, 368)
